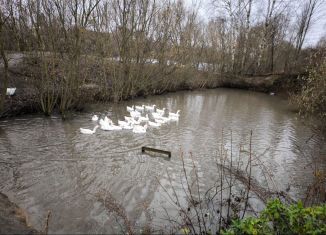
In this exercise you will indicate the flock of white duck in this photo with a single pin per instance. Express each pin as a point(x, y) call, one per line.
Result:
point(140, 118)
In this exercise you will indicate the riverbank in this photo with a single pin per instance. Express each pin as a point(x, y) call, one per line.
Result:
point(12, 218)
point(27, 99)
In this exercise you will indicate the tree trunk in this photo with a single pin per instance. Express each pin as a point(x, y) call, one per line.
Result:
point(4, 79)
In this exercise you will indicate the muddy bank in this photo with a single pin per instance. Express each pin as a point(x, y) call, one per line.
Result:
point(276, 83)
point(26, 98)
point(13, 218)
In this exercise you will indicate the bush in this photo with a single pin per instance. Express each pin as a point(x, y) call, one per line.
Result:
point(312, 99)
point(278, 218)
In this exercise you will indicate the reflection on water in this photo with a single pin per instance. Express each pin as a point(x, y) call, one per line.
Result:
point(46, 164)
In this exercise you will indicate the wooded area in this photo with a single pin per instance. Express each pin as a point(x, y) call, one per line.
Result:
point(131, 47)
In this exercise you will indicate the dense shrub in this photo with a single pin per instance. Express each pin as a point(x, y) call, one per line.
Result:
point(278, 218)
point(312, 99)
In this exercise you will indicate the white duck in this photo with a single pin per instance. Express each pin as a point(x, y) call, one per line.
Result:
point(102, 122)
point(140, 108)
point(165, 119)
point(128, 119)
point(125, 125)
point(143, 119)
point(132, 120)
point(159, 121)
point(135, 114)
point(174, 114)
point(105, 122)
point(88, 131)
point(154, 124)
point(160, 111)
point(174, 118)
point(132, 108)
point(110, 127)
point(139, 129)
point(115, 127)
point(156, 115)
point(108, 120)
point(130, 127)
point(95, 118)
point(150, 108)
point(104, 125)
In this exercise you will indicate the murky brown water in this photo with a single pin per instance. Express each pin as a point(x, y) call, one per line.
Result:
point(46, 164)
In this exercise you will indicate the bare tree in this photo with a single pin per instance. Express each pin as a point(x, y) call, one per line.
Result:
point(4, 79)
point(304, 23)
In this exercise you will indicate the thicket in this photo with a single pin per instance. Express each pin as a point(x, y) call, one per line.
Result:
point(312, 99)
point(278, 218)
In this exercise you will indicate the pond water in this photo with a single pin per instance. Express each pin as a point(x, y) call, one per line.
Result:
point(47, 164)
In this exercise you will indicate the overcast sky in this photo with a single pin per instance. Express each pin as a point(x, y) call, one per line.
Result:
point(316, 31)
point(318, 28)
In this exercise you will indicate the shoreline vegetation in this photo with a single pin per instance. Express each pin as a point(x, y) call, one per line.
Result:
point(23, 67)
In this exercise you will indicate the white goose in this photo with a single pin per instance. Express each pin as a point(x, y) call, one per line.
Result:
point(104, 125)
point(128, 127)
point(129, 109)
point(88, 131)
point(132, 120)
point(174, 114)
point(139, 129)
point(110, 127)
point(95, 118)
point(159, 121)
point(154, 124)
point(115, 127)
point(105, 122)
point(160, 111)
point(125, 125)
point(174, 118)
point(150, 108)
point(165, 119)
point(135, 122)
point(108, 120)
point(128, 119)
point(156, 115)
point(102, 122)
point(135, 114)
point(140, 108)
point(143, 119)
